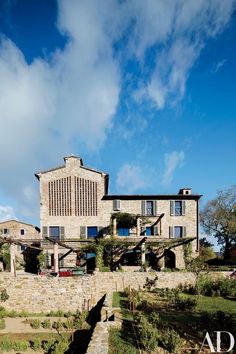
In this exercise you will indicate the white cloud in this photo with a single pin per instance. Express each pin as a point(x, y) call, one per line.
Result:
point(171, 73)
point(51, 105)
point(131, 178)
point(180, 32)
point(173, 160)
point(216, 67)
point(6, 213)
point(48, 106)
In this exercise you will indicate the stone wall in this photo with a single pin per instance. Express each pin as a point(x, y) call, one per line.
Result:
point(43, 294)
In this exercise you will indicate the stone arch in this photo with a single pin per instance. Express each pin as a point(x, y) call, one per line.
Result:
point(170, 259)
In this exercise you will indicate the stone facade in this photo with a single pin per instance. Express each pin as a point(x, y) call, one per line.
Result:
point(19, 231)
point(75, 204)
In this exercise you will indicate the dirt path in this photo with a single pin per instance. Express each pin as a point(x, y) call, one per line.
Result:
point(19, 325)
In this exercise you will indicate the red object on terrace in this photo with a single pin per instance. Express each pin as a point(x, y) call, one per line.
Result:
point(66, 273)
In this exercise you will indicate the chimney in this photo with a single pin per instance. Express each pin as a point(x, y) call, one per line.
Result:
point(185, 191)
point(73, 161)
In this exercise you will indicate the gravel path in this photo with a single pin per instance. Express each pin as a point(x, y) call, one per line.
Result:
point(18, 325)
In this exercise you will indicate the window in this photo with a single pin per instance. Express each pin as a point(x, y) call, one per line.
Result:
point(177, 207)
point(149, 207)
point(54, 232)
point(22, 232)
point(5, 231)
point(148, 231)
point(92, 231)
point(23, 248)
point(123, 231)
point(177, 231)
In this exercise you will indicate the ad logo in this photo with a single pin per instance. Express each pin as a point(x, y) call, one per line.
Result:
point(217, 349)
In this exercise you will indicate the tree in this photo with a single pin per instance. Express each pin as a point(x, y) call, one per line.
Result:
point(218, 218)
point(197, 267)
point(206, 251)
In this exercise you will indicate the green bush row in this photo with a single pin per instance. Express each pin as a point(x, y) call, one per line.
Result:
point(14, 314)
point(52, 346)
point(213, 287)
point(78, 321)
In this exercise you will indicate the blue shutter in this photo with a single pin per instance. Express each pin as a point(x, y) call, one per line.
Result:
point(143, 229)
point(45, 231)
point(82, 232)
point(143, 207)
point(154, 207)
point(62, 233)
point(183, 207)
point(171, 231)
point(116, 204)
point(156, 233)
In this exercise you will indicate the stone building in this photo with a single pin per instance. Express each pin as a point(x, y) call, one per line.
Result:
point(20, 236)
point(75, 205)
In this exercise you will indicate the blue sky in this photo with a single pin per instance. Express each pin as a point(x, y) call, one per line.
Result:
point(144, 90)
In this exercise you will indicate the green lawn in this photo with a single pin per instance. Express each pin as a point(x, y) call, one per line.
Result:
point(213, 304)
point(119, 298)
point(119, 343)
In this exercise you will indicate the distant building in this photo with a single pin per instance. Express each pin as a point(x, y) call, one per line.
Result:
point(75, 205)
point(19, 230)
point(21, 235)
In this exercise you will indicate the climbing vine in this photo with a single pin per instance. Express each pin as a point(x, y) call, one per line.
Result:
point(187, 247)
point(99, 256)
point(125, 219)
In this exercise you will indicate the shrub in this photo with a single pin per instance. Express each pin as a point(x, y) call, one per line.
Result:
point(58, 325)
point(6, 344)
point(220, 287)
point(227, 287)
point(171, 341)
point(105, 269)
point(12, 314)
point(2, 323)
point(36, 344)
point(35, 324)
point(58, 313)
point(68, 314)
point(4, 295)
point(21, 345)
point(185, 304)
point(148, 335)
point(154, 319)
point(69, 324)
point(46, 324)
point(3, 312)
point(216, 321)
point(60, 347)
point(80, 319)
point(24, 314)
point(48, 344)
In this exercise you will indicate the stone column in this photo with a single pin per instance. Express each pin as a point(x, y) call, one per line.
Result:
point(12, 258)
point(114, 227)
point(55, 257)
point(143, 259)
point(138, 227)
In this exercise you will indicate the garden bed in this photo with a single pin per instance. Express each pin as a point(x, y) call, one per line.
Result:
point(171, 319)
